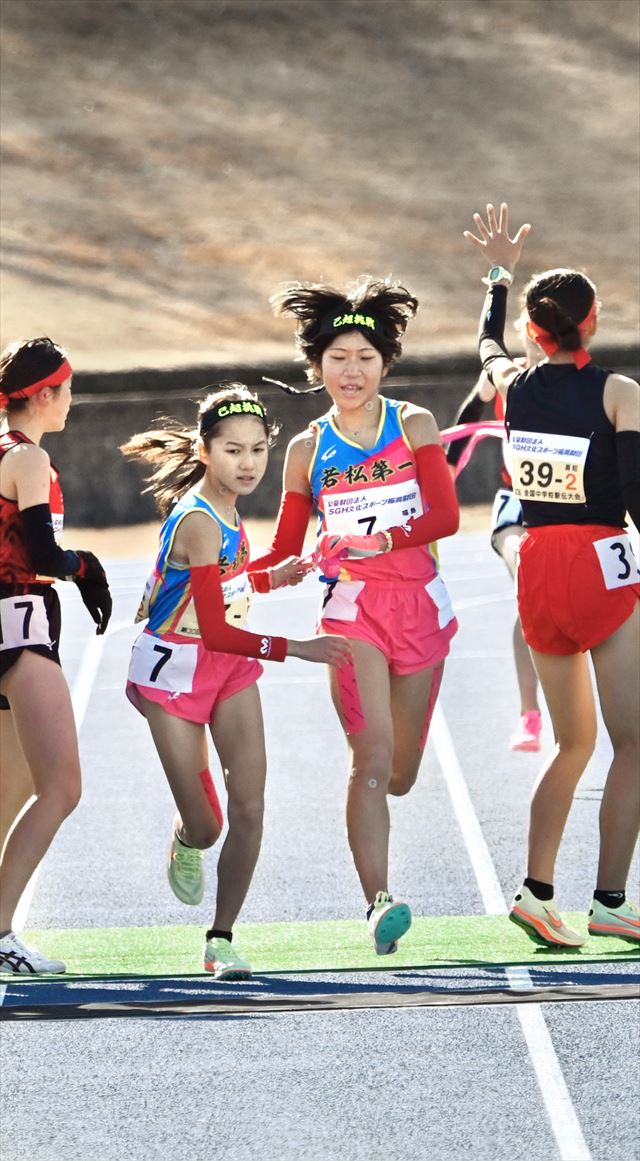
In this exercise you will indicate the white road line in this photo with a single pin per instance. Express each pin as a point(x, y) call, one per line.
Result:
point(555, 1094)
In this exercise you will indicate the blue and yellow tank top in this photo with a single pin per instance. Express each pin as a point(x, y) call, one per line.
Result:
point(168, 602)
point(365, 490)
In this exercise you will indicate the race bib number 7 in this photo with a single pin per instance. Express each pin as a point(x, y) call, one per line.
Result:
point(548, 468)
point(161, 664)
point(23, 622)
point(364, 511)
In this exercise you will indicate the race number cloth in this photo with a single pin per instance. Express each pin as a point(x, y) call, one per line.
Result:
point(548, 468)
point(617, 561)
point(24, 622)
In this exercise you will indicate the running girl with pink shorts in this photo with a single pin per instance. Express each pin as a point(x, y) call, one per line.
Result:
point(574, 442)
point(375, 470)
point(195, 666)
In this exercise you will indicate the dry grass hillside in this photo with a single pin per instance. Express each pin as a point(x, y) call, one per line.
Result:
point(168, 163)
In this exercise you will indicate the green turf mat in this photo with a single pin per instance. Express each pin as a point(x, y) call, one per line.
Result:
point(334, 945)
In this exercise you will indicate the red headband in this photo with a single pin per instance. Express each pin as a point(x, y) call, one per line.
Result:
point(550, 346)
point(64, 371)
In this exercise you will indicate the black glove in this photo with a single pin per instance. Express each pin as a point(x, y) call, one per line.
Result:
point(92, 584)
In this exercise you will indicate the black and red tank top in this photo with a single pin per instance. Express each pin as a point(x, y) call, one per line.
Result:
point(562, 447)
point(15, 563)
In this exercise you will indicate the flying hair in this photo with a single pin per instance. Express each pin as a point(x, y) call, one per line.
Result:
point(380, 308)
point(171, 448)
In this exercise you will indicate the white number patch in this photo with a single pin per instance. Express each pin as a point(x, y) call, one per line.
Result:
point(619, 565)
point(367, 510)
point(548, 468)
point(506, 510)
point(163, 664)
point(23, 621)
point(437, 590)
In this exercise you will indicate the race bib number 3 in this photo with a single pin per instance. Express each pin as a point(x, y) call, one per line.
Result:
point(619, 565)
point(23, 621)
point(548, 468)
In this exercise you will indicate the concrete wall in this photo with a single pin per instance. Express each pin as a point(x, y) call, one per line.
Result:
point(101, 488)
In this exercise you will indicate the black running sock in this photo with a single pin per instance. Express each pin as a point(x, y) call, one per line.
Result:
point(216, 933)
point(541, 891)
point(183, 843)
point(610, 899)
point(370, 910)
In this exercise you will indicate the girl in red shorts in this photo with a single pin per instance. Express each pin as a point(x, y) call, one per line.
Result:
point(40, 761)
point(195, 666)
point(375, 470)
point(575, 464)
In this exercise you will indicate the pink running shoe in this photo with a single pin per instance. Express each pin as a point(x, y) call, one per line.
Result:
point(527, 735)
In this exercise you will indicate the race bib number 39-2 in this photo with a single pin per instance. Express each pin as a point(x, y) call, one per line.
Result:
point(548, 468)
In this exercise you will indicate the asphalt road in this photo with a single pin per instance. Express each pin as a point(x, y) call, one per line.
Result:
point(489, 1082)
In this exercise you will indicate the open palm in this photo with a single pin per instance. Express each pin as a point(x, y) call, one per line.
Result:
point(494, 240)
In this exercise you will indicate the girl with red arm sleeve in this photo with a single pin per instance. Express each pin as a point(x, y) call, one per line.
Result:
point(195, 667)
point(375, 470)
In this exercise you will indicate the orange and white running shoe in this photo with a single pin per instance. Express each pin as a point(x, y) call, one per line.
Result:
point(541, 921)
point(623, 921)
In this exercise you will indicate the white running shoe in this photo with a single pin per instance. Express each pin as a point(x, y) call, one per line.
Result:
point(186, 872)
point(540, 919)
point(222, 959)
point(17, 958)
point(388, 922)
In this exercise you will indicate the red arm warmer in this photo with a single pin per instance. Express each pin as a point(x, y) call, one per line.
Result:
point(216, 634)
point(442, 517)
point(291, 529)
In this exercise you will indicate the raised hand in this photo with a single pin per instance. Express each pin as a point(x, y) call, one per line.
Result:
point(326, 649)
point(494, 241)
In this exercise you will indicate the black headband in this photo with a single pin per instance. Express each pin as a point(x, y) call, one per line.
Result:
point(349, 320)
point(229, 409)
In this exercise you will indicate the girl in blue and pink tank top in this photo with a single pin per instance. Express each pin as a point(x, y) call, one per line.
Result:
point(375, 471)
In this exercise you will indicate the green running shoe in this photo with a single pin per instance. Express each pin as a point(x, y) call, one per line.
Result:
point(222, 959)
point(623, 921)
point(388, 922)
point(186, 872)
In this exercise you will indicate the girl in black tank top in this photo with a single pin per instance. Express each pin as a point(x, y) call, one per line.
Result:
point(575, 463)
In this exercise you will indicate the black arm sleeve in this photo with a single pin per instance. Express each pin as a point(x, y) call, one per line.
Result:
point(46, 556)
point(469, 411)
point(628, 452)
point(492, 323)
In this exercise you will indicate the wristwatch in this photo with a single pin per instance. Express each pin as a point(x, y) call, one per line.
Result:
point(498, 274)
